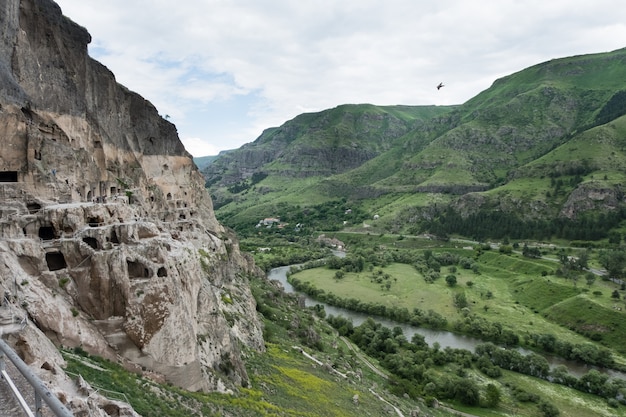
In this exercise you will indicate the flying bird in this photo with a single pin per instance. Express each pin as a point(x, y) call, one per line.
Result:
point(440, 85)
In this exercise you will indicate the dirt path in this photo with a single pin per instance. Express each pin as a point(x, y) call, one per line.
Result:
point(363, 358)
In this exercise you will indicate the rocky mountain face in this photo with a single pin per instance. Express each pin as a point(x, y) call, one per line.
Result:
point(108, 239)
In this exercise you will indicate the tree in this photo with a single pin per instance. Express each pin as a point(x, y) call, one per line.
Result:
point(451, 280)
point(613, 261)
point(466, 391)
point(506, 249)
point(339, 274)
point(549, 409)
point(614, 237)
point(492, 396)
point(460, 301)
point(590, 277)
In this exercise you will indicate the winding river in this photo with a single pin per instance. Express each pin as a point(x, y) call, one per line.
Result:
point(443, 338)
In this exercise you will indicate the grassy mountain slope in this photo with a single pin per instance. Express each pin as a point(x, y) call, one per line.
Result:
point(542, 143)
point(286, 164)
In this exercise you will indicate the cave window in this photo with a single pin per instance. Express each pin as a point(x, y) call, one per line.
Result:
point(91, 241)
point(47, 233)
point(114, 238)
point(113, 190)
point(162, 272)
point(182, 217)
point(8, 176)
point(55, 261)
point(94, 221)
point(28, 113)
point(33, 207)
point(137, 270)
point(169, 196)
point(97, 144)
point(37, 155)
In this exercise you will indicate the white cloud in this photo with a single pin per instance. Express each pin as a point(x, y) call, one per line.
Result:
point(200, 147)
point(265, 61)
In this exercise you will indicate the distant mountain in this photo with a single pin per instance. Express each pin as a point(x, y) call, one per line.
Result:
point(543, 146)
point(204, 161)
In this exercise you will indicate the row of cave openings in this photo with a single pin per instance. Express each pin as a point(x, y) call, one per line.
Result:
point(56, 261)
point(136, 270)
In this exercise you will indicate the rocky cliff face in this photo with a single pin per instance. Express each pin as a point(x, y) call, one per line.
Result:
point(108, 237)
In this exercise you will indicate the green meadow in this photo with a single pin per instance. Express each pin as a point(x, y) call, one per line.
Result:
point(522, 294)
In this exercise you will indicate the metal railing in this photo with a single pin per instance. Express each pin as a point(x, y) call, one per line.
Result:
point(41, 391)
point(13, 322)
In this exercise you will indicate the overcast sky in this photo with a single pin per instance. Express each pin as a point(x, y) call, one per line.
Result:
point(225, 70)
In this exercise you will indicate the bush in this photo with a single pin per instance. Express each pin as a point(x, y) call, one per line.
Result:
point(549, 409)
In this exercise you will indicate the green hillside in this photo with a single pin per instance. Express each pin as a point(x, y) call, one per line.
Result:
point(542, 146)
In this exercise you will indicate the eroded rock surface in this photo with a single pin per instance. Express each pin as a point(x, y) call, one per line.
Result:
point(108, 237)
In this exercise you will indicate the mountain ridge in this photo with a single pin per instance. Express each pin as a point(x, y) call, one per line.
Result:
point(475, 152)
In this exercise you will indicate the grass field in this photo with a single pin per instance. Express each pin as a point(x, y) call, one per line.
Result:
point(509, 289)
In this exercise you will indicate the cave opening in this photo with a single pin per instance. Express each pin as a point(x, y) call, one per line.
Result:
point(91, 241)
point(55, 261)
point(137, 270)
point(47, 233)
point(8, 176)
point(33, 207)
point(162, 272)
point(94, 221)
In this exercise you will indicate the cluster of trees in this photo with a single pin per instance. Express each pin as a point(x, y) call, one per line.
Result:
point(614, 108)
point(287, 255)
point(349, 263)
point(485, 330)
point(430, 265)
point(329, 216)
point(244, 185)
point(586, 353)
point(531, 252)
point(417, 368)
point(593, 382)
point(498, 225)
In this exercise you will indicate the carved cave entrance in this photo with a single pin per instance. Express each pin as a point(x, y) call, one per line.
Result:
point(33, 207)
point(55, 261)
point(47, 233)
point(137, 270)
point(91, 241)
point(8, 176)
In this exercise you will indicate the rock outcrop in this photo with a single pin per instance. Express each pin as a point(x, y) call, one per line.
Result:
point(108, 237)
